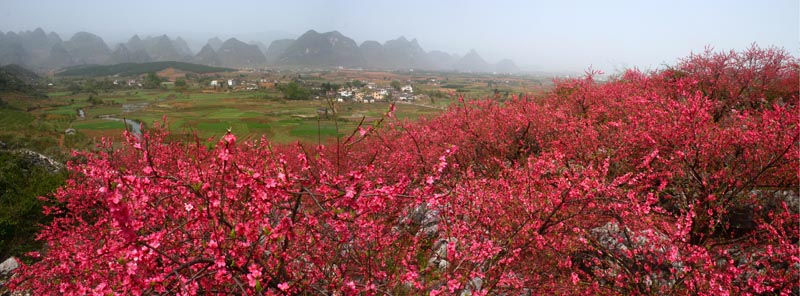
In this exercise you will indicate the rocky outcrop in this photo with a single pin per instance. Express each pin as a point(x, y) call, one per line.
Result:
point(6, 272)
point(36, 159)
point(8, 266)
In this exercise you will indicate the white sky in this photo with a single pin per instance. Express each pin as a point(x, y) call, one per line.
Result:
point(546, 35)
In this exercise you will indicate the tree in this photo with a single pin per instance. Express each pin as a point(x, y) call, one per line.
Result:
point(395, 84)
point(74, 88)
point(327, 87)
point(180, 84)
point(294, 91)
point(633, 186)
point(151, 81)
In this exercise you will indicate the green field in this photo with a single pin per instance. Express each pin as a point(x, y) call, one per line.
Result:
point(247, 114)
point(41, 121)
point(13, 118)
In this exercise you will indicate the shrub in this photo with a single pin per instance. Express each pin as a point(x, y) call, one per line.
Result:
point(652, 183)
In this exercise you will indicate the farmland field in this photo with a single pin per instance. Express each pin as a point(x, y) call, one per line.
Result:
point(248, 114)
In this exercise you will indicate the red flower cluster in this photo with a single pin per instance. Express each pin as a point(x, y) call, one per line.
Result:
point(681, 181)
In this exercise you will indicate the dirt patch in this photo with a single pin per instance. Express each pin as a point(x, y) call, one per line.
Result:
point(171, 74)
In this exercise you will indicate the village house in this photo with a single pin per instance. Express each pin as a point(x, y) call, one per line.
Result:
point(378, 95)
point(345, 93)
point(407, 89)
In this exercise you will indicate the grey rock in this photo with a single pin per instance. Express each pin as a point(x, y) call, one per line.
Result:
point(473, 285)
point(426, 219)
point(439, 256)
point(9, 265)
point(615, 241)
point(41, 160)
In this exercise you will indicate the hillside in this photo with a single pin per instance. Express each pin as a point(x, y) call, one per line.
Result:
point(207, 56)
point(124, 55)
point(323, 49)
point(276, 49)
point(162, 48)
point(472, 62)
point(401, 53)
point(131, 69)
point(88, 48)
point(235, 53)
point(14, 78)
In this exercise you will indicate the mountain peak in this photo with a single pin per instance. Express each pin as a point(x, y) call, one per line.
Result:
point(207, 56)
point(472, 62)
point(235, 53)
point(506, 66)
point(215, 43)
point(87, 48)
point(84, 35)
point(327, 49)
point(181, 46)
point(311, 32)
point(54, 38)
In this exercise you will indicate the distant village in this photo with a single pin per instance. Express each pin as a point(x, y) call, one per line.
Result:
point(344, 85)
point(362, 92)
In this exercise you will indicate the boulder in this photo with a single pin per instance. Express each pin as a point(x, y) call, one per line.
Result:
point(9, 266)
point(40, 160)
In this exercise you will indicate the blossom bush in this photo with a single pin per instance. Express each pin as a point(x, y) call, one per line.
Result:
point(680, 181)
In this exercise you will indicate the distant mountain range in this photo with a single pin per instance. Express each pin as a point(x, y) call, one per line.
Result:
point(42, 51)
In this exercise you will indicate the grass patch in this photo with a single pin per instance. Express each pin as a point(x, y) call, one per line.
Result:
point(15, 118)
point(99, 125)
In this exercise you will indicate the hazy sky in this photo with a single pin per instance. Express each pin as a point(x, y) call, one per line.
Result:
point(547, 35)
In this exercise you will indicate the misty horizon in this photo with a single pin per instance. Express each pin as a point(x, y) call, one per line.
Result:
point(569, 36)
